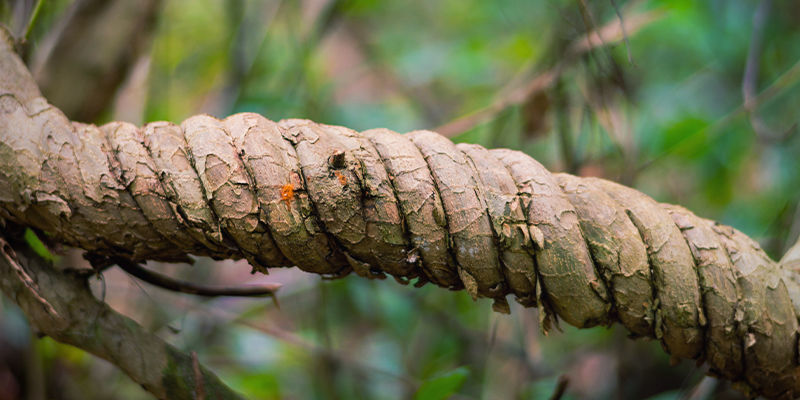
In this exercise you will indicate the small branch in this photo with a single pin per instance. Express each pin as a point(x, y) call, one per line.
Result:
point(588, 21)
point(561, 387)
point(32, 20)
point(91, 325)
point(564, 127)
point(750, 79)
point(175, 285)
point(199, 390)
point(345, 359)
point(624, 33)
point(11, 259)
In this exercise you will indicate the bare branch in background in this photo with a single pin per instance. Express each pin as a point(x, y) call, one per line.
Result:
point(794, 229)
point(251, 31)
point(788, 78)
point(199, 389)
point(750, 79)
point(704, 389)
point(516, 93)
point(624, 34)
point(564, 126)
point(131, 97)
point(561, 388)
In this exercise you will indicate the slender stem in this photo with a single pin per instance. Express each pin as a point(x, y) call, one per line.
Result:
point(32, 20)
point(175, 285)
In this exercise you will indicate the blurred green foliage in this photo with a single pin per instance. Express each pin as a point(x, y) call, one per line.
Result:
point(662, 110)
point(442, 386)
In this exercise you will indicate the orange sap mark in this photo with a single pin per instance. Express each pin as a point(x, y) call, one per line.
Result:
point(342, 178)
point(287, 193)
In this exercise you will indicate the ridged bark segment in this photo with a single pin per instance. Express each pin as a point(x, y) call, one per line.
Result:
point(416, 207)
point(766, 317)
point(167, 148)
point(721, 296)
point(566, 271)
point(227, 188)
point(348, 200)
point(386, 240)
point(420, 205)
point(280, 189)
point(101, 207)
point(89, 185)
point(617, 250)
point(498, 191)
point(138, 173)
point(472, 240)
point(678, 316)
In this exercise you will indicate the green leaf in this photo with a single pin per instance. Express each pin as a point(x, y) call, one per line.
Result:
point(442, 386)
point(686, 138)
point(37, 245)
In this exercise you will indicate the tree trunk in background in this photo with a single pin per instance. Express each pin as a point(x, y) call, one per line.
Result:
point(82, 62)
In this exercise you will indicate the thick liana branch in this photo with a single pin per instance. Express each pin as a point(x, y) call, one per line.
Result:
point(62, 306)
point(333, 201)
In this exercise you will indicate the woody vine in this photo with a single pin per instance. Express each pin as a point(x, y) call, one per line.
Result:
point(416, 207)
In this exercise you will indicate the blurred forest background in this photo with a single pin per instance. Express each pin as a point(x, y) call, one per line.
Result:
point(694, 103)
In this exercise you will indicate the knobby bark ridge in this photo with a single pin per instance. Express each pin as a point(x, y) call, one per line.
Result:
point(333, 201)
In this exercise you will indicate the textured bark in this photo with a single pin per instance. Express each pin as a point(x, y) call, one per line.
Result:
point(332, 201)
point(74, 316)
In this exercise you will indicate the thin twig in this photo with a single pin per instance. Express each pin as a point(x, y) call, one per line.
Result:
point(624, 33)
point(516, 93)
point(564, 127)
point(175, 285)
point(32, 20)
point(561, 387)
point(588, 21)
point(11, 258)
point(225, 317)
point(199, 389)
point(750, 79)
point(789, 78)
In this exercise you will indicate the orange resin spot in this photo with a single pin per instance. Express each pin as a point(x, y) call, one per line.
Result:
point(287, 193)
point(342, 178)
